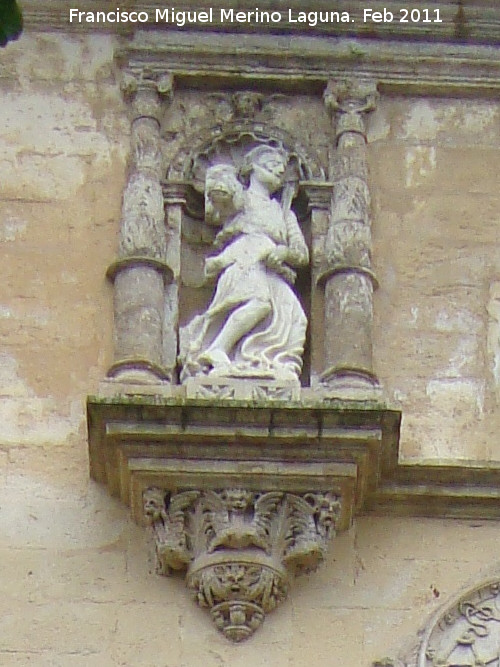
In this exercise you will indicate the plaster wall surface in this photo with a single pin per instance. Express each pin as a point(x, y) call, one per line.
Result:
point(77, 583)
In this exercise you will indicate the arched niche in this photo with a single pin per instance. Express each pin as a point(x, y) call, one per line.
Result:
point(228, 144)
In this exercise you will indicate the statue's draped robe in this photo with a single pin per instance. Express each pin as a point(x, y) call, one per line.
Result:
point(274, 347)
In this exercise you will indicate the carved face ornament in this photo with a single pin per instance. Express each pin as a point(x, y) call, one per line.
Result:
point(237, 500)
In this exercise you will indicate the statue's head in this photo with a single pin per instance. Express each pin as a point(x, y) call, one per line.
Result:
point(268, 164)
point(221, 179)
point(223, 193)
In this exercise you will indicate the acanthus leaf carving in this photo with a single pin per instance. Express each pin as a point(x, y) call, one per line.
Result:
point(168, 516)
point(240, 547)
point(238, 595)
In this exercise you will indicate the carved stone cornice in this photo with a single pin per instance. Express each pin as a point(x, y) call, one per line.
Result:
point(241, 469)
point(306, 64)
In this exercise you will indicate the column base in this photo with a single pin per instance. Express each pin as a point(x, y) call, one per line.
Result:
point(349, 384)
point(138, 371)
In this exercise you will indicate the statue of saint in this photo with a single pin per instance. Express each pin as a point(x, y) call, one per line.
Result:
point(254, 325)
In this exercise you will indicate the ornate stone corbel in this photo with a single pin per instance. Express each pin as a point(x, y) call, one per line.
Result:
point(347, 274)
point(142, 270)
point(240, 547)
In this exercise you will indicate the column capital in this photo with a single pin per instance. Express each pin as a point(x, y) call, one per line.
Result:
point(145, 91)
point(349, 101)
point(351, 95)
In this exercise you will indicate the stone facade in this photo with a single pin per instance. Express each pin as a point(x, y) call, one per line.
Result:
point(417, 179)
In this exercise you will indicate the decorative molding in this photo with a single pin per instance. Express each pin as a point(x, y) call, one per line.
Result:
point(470, 22)
point(205, 143)
point(242, 495)
point(126, 430)
point(445, 489)
point(215, 478)
point(306, 64)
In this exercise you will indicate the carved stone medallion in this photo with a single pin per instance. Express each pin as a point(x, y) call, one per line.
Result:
point(467, 634)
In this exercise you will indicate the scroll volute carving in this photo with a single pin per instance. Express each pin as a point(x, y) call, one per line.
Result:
point(240, 548)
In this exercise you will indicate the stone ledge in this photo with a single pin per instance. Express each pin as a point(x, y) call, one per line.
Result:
point(245, 495)
point(135, 440)
point(241, 495)
point(456, 489)
point(141, 441)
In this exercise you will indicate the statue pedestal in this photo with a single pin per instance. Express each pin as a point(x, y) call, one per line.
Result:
point(242, 495)
point(243, 389)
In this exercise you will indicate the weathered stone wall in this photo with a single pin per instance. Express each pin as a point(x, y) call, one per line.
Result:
point(435, 172)
point(77, 582)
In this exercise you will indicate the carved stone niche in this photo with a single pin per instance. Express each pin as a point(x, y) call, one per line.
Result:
point(245, 281)
point(219, 443)
point(463, 633)
point(241, 496)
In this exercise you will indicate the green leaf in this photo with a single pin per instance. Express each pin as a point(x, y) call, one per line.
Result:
point(11, 21)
